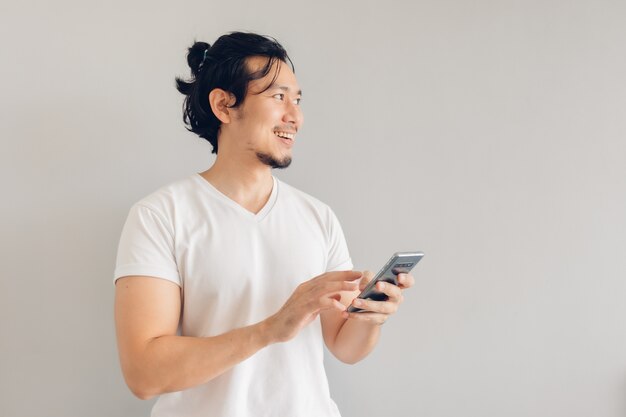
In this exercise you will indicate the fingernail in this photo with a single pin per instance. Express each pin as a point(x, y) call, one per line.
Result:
point(357, 302)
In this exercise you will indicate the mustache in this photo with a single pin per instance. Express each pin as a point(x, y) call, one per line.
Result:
point(286, 129)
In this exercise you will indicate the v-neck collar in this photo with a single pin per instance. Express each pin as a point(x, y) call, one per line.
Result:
point(223, 197)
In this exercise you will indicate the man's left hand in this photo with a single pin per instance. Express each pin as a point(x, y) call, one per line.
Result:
point(379, 311)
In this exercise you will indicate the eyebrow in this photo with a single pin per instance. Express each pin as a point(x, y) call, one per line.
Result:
point(284, 88)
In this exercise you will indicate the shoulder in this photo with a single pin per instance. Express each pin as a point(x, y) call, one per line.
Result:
point(294, 195)
point(305, 203)
point(165, 199)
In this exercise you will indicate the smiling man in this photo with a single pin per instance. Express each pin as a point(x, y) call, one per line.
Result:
point(228, 282)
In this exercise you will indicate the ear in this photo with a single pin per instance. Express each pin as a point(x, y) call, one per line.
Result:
point(220, 100)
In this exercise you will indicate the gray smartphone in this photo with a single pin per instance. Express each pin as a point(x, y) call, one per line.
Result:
point(400, 263)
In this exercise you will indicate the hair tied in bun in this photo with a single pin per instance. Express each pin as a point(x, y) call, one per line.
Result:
point(204, 57)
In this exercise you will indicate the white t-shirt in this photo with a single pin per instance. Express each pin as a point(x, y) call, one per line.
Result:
point(237, 268)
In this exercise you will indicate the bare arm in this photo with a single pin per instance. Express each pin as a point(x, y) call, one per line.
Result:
point(348, 340)
point(352, 336)
point(155, 361)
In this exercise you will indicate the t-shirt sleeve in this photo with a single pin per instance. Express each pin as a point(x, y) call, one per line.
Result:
point(146, 246)
point(338, 254)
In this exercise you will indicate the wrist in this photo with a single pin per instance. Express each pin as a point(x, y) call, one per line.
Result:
point(264, 332)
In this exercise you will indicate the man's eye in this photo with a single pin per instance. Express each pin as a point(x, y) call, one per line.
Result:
point(281, 97)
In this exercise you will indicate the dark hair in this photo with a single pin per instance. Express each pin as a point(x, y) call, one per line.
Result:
point(223, 65)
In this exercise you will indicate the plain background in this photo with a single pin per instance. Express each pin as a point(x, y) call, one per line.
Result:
point(488, 134)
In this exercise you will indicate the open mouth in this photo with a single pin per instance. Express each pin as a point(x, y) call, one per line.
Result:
point(285, 137)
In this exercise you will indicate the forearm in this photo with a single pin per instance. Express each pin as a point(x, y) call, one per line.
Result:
point(355, 340)
point(174, 363)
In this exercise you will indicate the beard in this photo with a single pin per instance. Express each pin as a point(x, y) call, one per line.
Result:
point(269, 160)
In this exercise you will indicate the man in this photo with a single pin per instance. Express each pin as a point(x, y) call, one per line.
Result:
point(228, 281)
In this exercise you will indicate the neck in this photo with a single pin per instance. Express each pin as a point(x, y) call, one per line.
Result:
point(248, 184)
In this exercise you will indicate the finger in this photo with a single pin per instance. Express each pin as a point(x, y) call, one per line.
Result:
point(365, 279)
point(367, 317)
point(340, 276)
point(367, 276)
point(335, 287)
point(384, 307)
point(330, 303)
point(341, 286)
point(405, 280)
point(392, 291)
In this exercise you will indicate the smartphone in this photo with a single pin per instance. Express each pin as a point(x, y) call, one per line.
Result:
point(399, 263)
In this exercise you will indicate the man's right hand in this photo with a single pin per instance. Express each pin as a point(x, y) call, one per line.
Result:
point(306, 302)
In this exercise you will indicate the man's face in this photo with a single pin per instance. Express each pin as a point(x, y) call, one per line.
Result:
point(267, 122)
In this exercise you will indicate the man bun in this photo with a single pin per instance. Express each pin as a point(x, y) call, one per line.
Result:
point(196, 56)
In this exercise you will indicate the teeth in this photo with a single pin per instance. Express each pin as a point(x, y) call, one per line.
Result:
point(285, 135)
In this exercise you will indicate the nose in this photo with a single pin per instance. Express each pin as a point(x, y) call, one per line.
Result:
point(293, 115)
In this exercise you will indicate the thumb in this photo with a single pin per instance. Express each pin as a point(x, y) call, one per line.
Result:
point(367, 277)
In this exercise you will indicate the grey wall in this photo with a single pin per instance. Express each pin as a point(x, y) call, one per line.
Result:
point(490, 135)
